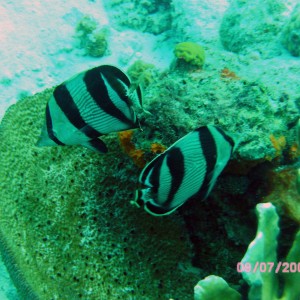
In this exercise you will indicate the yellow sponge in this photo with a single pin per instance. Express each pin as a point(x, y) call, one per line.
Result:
point(190, 52)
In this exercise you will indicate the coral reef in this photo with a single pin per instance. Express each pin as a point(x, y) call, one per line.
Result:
point(259, 265)
point(279, 144)
point(65, 214)
point(282, 185)
point(291, 33)
point(249, 26)
point(283, 181)
point(145, 16)
point(92, 39)
point(298, 147)
point(239, 106)
point(191, 53)
point(265, 285)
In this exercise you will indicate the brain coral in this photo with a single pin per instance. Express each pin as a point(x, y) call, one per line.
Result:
point(68, 227)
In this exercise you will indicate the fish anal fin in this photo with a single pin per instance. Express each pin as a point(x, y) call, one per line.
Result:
point(96, 145)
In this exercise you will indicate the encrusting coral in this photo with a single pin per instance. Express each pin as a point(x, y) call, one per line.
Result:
point(227, 74)
point(128, 146)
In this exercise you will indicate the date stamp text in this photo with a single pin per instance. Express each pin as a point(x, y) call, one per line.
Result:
point(268, 267)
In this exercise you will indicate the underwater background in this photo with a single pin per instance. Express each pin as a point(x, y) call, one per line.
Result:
point(67, 229)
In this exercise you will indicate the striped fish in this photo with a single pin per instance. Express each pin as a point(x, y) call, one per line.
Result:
point(188, 169)
point(90, 104)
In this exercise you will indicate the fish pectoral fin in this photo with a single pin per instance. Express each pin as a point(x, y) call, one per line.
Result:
point(96, 145)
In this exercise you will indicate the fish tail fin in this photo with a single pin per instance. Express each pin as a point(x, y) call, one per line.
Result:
point(44, 139)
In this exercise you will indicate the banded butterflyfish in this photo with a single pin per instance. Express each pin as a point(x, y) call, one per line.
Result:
point(90, 104)
point(188, 169)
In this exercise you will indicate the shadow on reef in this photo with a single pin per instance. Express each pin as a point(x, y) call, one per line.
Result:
point(222, 227)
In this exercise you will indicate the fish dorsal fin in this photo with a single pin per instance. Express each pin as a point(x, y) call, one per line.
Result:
point(117, 80)
point(135, 95)
point(120, 81)
point(96, 145)
point(113, 73)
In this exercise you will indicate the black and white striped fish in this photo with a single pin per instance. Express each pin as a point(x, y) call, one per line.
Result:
point(90, 104)
point(188, 169)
